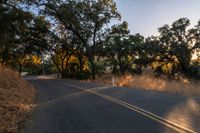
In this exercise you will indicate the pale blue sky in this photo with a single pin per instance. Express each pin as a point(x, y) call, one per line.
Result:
point(145, 16)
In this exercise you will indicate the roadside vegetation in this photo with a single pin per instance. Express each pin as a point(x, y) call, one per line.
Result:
point(16, 99)
point(75, 39)
point(147, 81)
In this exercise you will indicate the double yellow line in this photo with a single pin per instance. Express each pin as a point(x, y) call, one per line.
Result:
point(163, 121)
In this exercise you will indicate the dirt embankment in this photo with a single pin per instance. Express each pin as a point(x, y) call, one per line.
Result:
point(16, 100)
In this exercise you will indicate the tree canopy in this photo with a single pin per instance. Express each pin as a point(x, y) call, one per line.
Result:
point(75, 37)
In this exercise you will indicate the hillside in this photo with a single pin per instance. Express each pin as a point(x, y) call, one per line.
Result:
point(16, 99)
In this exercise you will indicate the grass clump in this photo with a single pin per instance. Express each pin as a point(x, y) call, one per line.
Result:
point(152, 83)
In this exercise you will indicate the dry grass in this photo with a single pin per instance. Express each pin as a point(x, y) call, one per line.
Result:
point(149, 82)
point(16, 98)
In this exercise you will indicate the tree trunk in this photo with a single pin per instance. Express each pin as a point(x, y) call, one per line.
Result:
point(184, 65)
point(121, 66)
point(20, 69)
point(80, 60)
point(4, 59)
point(63, 75)
point(90, 55)
point(93, 70)
point(57, 66)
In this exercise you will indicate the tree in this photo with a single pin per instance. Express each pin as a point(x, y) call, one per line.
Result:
point(22, 33)
point(61, 48)
point(122, 48)
point(32, 39)
point(64, 48)
point(175, 45)
point(86, 19)
point(116, 48)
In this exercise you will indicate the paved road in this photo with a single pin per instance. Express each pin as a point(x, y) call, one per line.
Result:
point(66, 106)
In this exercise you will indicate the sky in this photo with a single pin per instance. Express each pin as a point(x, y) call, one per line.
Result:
point(145, 16)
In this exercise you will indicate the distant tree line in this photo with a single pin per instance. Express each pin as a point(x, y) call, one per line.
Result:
point(76, 40)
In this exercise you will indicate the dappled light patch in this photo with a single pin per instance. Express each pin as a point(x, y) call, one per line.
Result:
point(186, 114)
point(16, 98)
point(52, 76)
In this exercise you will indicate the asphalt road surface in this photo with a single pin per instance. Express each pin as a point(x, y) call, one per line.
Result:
point(67, 106)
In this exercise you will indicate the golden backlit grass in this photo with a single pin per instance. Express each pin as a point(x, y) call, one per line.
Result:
point(149, 82)
point(16, 98)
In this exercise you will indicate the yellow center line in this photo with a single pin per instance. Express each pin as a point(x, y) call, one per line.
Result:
point(168, 123)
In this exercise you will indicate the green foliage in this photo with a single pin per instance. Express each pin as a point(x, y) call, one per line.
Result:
point(121, 48)
point(85, 19)
point(174, 46)
point(75, 34)
point(22, 33)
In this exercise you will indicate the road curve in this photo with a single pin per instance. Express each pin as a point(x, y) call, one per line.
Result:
point(66, 106)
